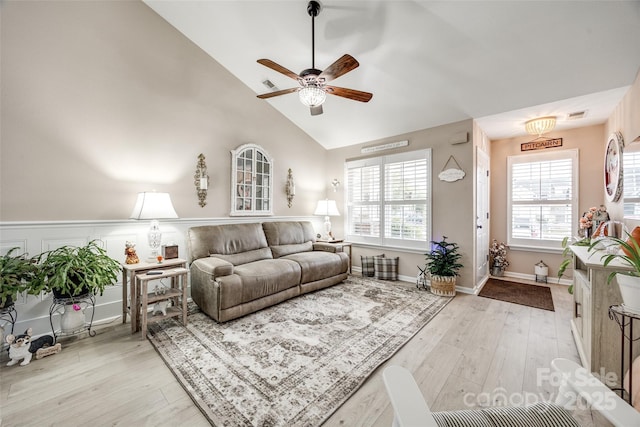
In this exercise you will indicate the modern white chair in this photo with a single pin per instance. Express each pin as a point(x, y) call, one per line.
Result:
point(411, 410)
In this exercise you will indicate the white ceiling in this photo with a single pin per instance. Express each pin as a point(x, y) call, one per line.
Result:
point(427, 63)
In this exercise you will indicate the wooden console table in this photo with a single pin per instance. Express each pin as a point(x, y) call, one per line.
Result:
point(597, 337)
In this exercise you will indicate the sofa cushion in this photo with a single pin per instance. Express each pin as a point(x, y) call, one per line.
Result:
point(541, 414)
point(386, 268)
point(283, 250)
point(245, 257)
point(261, 278)
point(318, 265)
point(225, 239)
point(288, 232)
point(368, 265)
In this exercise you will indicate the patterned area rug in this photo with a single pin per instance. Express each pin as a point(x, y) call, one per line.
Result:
point(518, 293)
point(293, 364)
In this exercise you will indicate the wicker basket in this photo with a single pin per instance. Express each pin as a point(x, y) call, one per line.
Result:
point(444, 286)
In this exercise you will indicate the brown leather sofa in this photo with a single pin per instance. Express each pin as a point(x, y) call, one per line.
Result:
point(237, 269)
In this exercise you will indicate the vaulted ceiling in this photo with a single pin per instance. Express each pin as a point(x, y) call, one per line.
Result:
point(427, 63)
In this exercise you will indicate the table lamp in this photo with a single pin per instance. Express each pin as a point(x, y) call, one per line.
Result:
point(327, 208)
point(154, 206)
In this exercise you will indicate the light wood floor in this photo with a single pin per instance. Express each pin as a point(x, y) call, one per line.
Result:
point(473, 351)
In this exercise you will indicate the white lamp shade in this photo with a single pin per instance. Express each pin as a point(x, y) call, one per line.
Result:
point(327, 208)
point(153, 206)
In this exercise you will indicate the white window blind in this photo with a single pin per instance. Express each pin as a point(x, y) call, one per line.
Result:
point(388, 200)
point(542, 198)
point(631, 184)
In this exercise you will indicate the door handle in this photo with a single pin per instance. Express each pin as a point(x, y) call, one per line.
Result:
point(478, 226)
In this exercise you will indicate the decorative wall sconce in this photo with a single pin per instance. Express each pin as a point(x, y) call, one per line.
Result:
point(290, 188)
point(201, 180)
point(335, 184)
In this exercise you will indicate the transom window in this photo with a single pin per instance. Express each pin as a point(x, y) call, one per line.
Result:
point(542, 198)
point(389, 200)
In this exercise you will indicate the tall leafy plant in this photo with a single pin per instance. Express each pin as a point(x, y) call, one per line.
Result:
point(443, 258)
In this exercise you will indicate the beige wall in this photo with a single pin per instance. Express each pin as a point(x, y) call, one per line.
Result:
point(101, 100)
point(452, 204)
point(588, 141)
point(626, 120)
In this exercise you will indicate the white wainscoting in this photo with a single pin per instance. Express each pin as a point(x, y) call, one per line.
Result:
point(37, 237)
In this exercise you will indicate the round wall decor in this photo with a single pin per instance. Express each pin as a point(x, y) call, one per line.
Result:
point(613, 167)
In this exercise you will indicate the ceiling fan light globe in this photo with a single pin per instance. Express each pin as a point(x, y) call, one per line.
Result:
point(312, 96)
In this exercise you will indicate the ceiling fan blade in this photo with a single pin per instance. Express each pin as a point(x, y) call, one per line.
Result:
point(316, 111)
point(277, 67)
point(342, 66)
point(278, 93)
point(356, 95)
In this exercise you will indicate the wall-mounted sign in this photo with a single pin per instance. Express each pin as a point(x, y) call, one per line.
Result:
point(539, 145)
point(388, 146)
point(451, 174)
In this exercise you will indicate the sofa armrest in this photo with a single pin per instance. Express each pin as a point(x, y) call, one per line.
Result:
point(327, 247)
point(576, 382)
point(409, 406)
point(214, 266)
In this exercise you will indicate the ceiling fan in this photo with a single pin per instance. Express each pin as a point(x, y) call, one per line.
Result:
point(313, 88)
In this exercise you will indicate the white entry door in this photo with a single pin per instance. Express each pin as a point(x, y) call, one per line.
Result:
point(482, 215)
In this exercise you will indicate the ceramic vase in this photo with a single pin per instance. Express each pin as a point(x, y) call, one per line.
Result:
point(72, 320)
point(634, 235)
point(630, 292)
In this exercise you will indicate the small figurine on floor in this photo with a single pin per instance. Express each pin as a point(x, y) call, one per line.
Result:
point(21, 347)
point(130, 252)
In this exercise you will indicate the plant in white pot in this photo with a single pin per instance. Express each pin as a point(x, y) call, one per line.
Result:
point(443, 267)
point(71, 271)
point(628, 280)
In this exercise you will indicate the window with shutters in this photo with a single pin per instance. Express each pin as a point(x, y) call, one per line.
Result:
point(631, 184)
point(542, 198)
point(388, 200)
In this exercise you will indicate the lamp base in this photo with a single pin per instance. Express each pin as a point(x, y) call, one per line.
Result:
point(327, 236)
point(154, 237)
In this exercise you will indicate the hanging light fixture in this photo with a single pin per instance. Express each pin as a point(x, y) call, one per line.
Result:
point(312, 95)
point(541, 125)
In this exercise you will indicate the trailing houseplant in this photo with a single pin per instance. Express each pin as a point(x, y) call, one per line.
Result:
point(443, 266)
point(71, 271)
point(16, 274)
point(628, 280)
point(567, 257)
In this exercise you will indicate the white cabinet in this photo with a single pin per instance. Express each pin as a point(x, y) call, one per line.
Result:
point(597, 337)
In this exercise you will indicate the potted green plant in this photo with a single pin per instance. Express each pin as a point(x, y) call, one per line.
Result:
point(443, 266)
point(16, 274)
point(73, 271)
point(629, 280)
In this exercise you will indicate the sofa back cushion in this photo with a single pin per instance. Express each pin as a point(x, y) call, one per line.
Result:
point(227, 239)
point(288, 237)
point(245, 257)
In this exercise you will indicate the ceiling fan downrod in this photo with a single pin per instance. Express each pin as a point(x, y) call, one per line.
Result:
point(313, 8)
